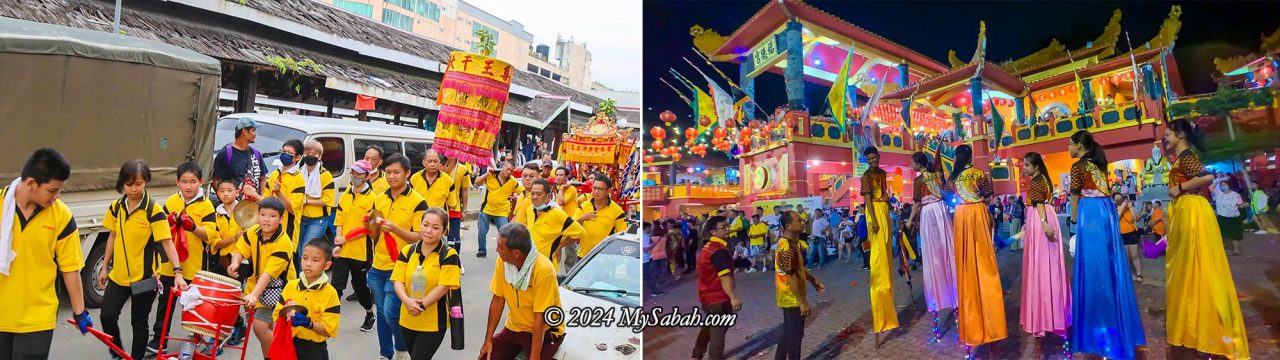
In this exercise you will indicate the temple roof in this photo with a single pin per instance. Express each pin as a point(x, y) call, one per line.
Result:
point(1100, 68)
point(776, 13)
point(992, 75)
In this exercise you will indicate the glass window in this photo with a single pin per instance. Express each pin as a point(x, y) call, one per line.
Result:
point(388, 147)
point(533, 69)
point(403, 4)
point(334, 158)
point(355, 7)
point(393, 18)
point(612, 273)
point(414, 151)
point(428, 10)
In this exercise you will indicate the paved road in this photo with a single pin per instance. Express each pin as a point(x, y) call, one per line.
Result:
point(350, 342)
point(840, 326)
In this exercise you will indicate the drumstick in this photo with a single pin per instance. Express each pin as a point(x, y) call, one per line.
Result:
point(106, 339)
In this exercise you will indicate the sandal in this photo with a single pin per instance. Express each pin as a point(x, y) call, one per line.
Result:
point(1139, 278)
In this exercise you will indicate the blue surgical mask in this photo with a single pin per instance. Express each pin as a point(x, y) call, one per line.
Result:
point(286, 159)
point(543, 207)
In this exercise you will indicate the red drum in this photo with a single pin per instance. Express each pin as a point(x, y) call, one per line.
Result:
point(221, 302)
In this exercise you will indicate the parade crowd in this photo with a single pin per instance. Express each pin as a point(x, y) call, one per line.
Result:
point(956, 223)
point(309, 242)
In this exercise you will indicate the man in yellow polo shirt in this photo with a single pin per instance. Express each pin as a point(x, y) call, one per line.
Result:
point(550, 227)
point(568, 194)
point(374, 156)
point(39, 239)
point(434, 186)
point(402, 208)
point(496, 206)
point(526, 295)
point(600, 217)
point(528, 175)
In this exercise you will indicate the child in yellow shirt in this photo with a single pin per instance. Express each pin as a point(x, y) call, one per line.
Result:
point(312, 291)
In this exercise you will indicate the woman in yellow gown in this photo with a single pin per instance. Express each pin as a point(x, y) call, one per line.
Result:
point(981, 298)
point(1203, 312)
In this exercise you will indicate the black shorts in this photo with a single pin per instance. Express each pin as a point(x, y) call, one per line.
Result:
point(848, 240)
point(1131, 238)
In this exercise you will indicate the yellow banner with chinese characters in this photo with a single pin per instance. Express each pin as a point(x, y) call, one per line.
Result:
point(585, 152)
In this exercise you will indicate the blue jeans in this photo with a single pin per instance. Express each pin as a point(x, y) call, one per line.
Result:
point(484, 221)
point(388, 303)
point(817, 250)
point(311, 228)
point(455, 233)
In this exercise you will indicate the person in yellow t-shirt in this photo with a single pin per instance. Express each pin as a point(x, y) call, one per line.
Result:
point(461, 175)
point(136, 223)
point(312, 291)
point(758, 251)
point(531, 290)
point(434, 185)
point(600, 217)
point(424, 316)
point(552, 229)
point(402, 211)
point(374, 156)
point(496, 206)
point(318, 196)
point(789, 280)
point(219, 255)
point(286, 183)
point(353, 259)
point(567, 195)
point(269, 251)
point(45, 234)
point(528, 175)
point(195, 213)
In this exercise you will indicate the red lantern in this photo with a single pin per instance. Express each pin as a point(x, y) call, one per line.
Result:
point(755, 124)
point(1072, 89)
point(667, 117)
point(1115, 78)
point(704, 121)
point(648, 159)
point(1104, 81)
point(675, 157)
point(658, 132)
point(719, 133)
point(690, 134)
point(1062, 92)
point(657, 145)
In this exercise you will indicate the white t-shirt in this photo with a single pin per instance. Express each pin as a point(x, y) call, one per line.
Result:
point(1227, 204)
point(846, 229)
point(820, 226)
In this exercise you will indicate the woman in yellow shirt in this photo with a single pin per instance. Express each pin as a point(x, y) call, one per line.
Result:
point(425, 274)
point(136, 223)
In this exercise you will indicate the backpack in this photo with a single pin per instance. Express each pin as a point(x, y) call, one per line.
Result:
point(227, 155)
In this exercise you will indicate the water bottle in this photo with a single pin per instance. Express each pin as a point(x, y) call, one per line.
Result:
point(418, 288)
point(187, 349)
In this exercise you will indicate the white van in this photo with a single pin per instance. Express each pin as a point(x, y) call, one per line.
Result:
point(345, 141)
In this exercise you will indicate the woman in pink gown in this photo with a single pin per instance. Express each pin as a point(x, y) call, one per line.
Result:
point(1046, 292)
point(936, 241)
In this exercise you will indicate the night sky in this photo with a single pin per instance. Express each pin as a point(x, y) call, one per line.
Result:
point(1014, 30)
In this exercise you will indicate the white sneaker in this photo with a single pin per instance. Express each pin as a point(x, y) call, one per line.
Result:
point(751, 270)
point(1260, 232)
point(401, 355)
point(464, 269)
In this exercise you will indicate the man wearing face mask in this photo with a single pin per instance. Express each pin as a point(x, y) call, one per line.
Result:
point(549, 226)
point(353, 255)
point(286, 183)
point(319, 194)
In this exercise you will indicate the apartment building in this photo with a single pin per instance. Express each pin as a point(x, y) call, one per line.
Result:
point(455, 22)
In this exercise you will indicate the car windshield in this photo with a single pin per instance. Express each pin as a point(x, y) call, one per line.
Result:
point(270, 138)
point(613, 273)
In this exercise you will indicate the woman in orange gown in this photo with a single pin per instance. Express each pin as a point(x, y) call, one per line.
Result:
point(981, 311)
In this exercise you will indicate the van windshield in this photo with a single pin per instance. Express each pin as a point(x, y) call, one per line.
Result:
point(270, 137)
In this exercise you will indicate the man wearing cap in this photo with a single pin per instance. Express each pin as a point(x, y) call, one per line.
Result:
point(352, 255)
point(238, 159)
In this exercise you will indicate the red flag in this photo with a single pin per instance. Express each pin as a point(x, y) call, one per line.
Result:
point(282, 340)
point(365, 102)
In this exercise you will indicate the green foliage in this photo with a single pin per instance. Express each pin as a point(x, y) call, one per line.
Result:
point(608, 107)
point(1219, 146)
point(1182, 109)
point(486, 43)
point(285, 64)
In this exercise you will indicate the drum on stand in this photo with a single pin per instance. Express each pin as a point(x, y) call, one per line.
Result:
point(220, 305)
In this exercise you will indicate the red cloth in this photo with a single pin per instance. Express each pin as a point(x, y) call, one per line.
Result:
point(282, 341)
point(365, 102)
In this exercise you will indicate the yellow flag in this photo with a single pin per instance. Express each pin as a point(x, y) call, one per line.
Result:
point(839, 92)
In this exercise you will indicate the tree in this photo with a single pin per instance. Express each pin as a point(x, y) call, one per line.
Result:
point(486, 43)
point(1223, 103)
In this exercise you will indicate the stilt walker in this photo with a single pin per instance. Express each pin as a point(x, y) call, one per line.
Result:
point(1203, 312)
point(936, 239)
point(876, 201)
point(1104, 309)
point(981, 298)
point(1046, 294)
